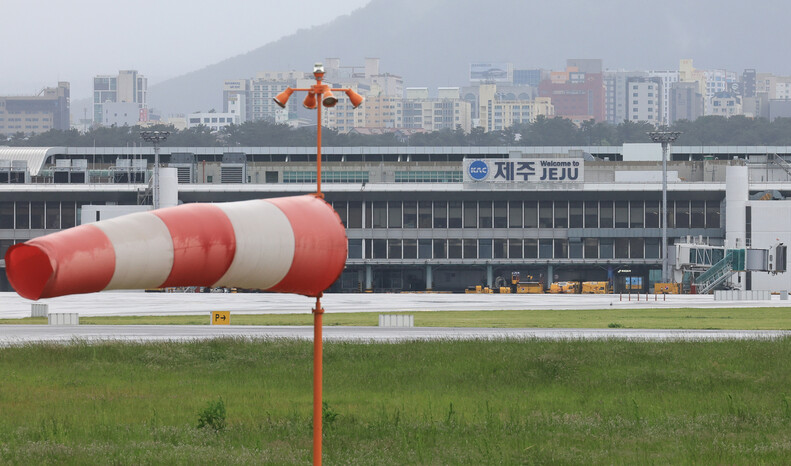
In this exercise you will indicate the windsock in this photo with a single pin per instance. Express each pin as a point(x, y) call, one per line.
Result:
point(287, 245)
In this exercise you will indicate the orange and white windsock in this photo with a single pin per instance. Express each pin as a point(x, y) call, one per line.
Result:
point(288, 245)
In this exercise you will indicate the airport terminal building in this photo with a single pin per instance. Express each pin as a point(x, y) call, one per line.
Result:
point(445, 218)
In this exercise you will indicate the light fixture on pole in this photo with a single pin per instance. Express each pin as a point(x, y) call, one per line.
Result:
point(666, 138)
point(318, 94)
point(155, 137)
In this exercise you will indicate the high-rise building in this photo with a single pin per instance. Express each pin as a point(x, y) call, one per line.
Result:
point(585, 65)
point(717, 82)
point(265, 87)
point(686, 102)
point(529, 77)
point(615, 94)
point(726, 104)
point(497, 114)
point(383, 111)
point(237, 92)
point(668, 77)
point(447, 111)
point(576, 95)
point(127, 87)
point(36, 114)
point(343, 117)
point(749, 78)
point(644, 100)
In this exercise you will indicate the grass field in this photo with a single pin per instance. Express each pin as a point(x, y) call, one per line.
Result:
point(767, 318)
point(440, 402)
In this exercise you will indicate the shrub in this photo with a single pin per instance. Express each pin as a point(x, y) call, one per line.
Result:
point(213, 416)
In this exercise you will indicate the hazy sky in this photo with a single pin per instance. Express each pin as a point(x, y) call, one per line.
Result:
point(46, 41)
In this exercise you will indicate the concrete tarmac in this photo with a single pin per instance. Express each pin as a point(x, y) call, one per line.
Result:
point(140, 303)
point(114, 303)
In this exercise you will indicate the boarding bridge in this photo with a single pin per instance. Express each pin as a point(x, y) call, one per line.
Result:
point(717, 264)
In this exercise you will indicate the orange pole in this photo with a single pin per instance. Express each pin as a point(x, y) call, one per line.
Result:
point(318, 133)
point(318, 151)
point(318, 312)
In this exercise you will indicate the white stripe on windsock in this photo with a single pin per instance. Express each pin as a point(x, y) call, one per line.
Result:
point(143, 250)
point(264, 245)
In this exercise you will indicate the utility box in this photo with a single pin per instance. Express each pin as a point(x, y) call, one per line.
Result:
point(396, 320)
point(39, 310)
point(63, 318)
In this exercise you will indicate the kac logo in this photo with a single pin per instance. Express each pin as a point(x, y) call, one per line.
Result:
point(478, 170)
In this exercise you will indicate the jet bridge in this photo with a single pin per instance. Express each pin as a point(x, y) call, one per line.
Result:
point(712, 267)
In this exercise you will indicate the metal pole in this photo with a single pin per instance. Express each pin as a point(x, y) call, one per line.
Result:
point(666, 138)
point(155, 137)
point(664, 212)
point(156, 175)
point(318, 312)
point(318, 148)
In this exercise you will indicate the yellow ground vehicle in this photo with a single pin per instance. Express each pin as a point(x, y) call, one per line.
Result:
point(565, 287)
point(529, 287)
point(518, 286)
point(596, 288)
point(478, 289)
point(667, 288)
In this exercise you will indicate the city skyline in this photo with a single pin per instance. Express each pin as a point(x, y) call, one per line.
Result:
point(30, 65)
point(179, 39)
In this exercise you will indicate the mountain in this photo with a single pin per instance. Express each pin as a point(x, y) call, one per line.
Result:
point(432, 42)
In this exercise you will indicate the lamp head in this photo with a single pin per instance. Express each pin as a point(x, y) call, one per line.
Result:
point(283, 97)
point(318, 68)
point(310, 101)
point(328, 99)
point(355, 98)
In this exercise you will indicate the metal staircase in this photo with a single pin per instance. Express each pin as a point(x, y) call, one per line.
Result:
point(721, 271)
point(782, 163)
point(145, 196)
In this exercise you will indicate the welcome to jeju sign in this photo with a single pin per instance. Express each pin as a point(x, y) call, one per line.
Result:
point(527, 171)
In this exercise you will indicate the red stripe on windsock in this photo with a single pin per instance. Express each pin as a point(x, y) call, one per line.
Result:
point(203, 244)
point(320, 245)
point(77, 260)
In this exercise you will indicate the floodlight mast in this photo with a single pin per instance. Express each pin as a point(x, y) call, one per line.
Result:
point(319, 95)
point(666, 138)
point(155, 137)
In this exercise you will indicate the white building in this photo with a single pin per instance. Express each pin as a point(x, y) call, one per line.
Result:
point(726, 104)
point(717, 82)
point(644, 100)
point(668, 78)
point(615, 94)
point(121, 114)
point(497, 114)
point(127, 87)
point(214, 121)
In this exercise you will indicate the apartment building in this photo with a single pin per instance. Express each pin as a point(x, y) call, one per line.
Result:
point(128, 86)
point(35, 114)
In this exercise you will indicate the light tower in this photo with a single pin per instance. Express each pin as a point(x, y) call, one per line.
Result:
point(666, 138)
point(155, 137)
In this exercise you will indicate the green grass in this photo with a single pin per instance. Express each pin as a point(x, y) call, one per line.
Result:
point(765, 318)
point(440, 402)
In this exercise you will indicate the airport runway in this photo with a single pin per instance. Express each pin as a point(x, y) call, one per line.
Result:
point(140, 303)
